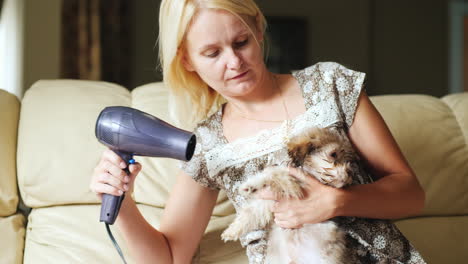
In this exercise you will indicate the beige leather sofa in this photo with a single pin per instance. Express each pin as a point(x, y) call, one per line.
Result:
point(48, 151)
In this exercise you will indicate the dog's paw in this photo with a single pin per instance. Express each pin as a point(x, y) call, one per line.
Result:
point(230, 234)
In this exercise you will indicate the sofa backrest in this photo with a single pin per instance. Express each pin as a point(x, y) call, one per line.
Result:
point(57, 148)
point(432, 134)
point(9, 115)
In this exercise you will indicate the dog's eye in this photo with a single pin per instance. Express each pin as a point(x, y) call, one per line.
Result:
point(334, 155)
point(254, 190)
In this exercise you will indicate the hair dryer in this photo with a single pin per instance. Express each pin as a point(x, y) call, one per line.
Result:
point(128, 132)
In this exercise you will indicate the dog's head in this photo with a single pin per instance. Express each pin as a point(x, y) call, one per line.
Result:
point(324, 154)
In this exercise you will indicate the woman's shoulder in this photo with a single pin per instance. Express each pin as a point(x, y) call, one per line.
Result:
point(325, 77)
point(209, 130)
point(324, 69)
point(332, 84)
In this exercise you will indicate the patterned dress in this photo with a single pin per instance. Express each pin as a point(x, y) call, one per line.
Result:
point(330, 92)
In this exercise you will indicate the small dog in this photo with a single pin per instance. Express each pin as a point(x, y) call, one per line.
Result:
point(321, 153)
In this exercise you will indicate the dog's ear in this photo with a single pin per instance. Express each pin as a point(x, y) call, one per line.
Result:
point(297, 151)
point(300, 146)
point(297, 155)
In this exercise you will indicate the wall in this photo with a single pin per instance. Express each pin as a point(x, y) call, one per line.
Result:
point(410, 47)
point(338, 30)
point(145, 52)
point(401, 45)
point(41, 54)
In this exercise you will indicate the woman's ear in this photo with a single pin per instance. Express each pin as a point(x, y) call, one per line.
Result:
point(186, 62)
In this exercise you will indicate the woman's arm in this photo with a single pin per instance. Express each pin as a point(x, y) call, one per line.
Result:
point(396, 193)
point(185, 218)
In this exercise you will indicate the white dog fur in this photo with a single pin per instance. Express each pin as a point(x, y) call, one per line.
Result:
point(321, 153)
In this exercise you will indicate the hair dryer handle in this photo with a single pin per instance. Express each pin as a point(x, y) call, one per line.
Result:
point(110, 203)
point(110, 207)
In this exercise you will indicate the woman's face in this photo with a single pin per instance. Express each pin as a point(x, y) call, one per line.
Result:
point(224, 53)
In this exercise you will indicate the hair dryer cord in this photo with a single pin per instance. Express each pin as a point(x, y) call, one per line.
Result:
point(115, 243)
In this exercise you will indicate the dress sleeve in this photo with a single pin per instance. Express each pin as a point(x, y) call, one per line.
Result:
point(196, 167)
point(347, 88)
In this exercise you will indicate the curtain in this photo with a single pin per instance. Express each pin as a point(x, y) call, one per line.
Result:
point(1, 5)
point(95, 40)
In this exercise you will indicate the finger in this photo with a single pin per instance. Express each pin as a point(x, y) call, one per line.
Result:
point(298, 173)
point(266, 194)
point(287, 224)
point(102, 188)
point(134, 168)
point(114, 158)
point(301, 175)
point(287, 220)
point(107, 178)
point(114, 170)
point(282, 207)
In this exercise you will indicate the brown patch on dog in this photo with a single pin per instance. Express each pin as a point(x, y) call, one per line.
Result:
point(325, 154)
point(302, 145)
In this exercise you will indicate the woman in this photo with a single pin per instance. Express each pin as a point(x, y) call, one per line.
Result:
point(212, 51)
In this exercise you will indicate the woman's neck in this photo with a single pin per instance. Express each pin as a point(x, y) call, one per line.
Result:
point(267, 93)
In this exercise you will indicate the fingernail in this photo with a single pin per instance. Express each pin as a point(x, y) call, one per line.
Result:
point(120, 192)
point(123, 165)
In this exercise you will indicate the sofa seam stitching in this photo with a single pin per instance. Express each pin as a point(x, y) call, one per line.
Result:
point(465, 135)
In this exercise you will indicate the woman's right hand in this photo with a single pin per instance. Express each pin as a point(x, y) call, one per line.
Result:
point(109, 175)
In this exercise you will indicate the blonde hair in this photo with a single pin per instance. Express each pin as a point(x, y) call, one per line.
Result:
point(191, 100)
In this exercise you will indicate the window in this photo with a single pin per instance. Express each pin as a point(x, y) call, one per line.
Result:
point(11, 45)
point(2, 49)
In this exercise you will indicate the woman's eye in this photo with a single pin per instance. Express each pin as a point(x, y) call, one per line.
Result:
point(212, 54)
point(242, 43)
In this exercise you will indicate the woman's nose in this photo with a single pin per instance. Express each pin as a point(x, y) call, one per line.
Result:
point(234, 61)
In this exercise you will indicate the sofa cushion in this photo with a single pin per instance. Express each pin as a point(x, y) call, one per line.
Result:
point(433, 141)
point(57, 147)
point(73, 234)
point(70, 234)
point(439, 239)
point(9, 114)
point(458, 103)
point(12, 229)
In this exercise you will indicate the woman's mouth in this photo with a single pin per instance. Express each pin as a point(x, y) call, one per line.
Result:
point(240, 75)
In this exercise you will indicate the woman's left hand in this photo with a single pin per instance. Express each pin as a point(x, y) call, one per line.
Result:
point(317, 205)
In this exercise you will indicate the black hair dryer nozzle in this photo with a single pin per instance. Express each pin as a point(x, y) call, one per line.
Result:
point(128, 132)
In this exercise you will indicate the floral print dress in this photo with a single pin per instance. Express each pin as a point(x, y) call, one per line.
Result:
point(330, 92)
